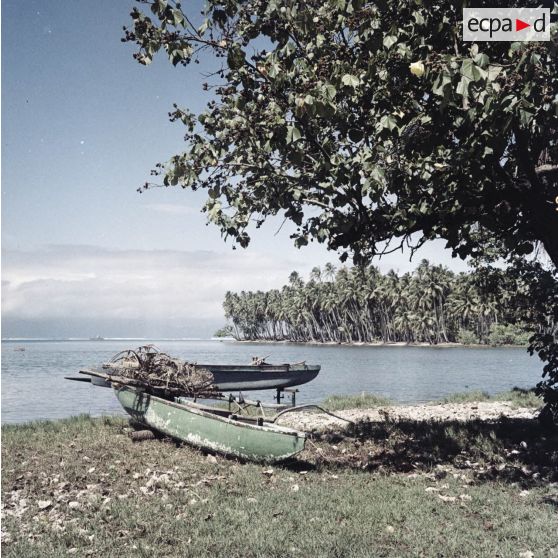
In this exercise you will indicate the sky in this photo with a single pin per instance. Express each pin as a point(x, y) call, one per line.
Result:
point(83, 124)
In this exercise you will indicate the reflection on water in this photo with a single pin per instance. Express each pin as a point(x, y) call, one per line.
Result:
point(33, 385)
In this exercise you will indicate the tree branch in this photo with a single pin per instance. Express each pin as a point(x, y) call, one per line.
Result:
point(546, 169)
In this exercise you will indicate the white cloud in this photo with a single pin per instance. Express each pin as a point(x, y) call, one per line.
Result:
point(90, 282)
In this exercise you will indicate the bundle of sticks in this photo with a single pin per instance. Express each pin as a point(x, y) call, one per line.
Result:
point(159, 373)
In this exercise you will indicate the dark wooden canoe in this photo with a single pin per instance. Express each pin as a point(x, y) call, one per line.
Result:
point(245, 377)
point(263, 376)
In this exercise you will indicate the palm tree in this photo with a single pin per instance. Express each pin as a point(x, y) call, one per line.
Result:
point(431, 305)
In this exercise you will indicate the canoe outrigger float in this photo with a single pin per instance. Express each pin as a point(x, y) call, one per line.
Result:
point(162, 393)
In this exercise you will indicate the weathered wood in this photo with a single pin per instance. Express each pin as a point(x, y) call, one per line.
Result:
point(141, 435)
point(97, 373)
point(170, 391)
point(136, 425)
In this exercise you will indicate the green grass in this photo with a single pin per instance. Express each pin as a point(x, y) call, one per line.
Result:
point(517, 396)
point(357, 496)
point(362, 401)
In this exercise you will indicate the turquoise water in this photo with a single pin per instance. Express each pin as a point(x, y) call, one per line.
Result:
point(33, 385)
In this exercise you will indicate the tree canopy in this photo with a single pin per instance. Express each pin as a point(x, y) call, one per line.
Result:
point(365, 123)
point(370, 125)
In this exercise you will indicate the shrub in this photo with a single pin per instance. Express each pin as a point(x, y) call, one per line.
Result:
point(508, 335)
point(467, 337)
point(226, 331)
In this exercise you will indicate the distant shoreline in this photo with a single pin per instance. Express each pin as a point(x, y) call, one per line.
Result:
point(102, 339)
point(375, 344)
point(271, 342)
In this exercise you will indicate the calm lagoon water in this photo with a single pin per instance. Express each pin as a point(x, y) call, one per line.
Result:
point(33, 385)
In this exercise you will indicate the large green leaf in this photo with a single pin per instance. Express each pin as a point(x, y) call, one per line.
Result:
point(350, 80)
point(293, 134)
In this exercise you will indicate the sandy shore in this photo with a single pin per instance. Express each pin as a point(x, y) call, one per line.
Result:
point(484, 410)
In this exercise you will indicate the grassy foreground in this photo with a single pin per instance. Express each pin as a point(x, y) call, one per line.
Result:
point(81, 487)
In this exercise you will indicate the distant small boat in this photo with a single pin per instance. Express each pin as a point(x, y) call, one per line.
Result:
point(212, 428)
point(19, 349)
point(97, 338)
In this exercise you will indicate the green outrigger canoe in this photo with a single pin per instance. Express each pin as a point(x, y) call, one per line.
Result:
point(211, 428)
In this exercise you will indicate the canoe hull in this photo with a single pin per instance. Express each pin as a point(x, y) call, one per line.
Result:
point(267, 443)
point(247, 378)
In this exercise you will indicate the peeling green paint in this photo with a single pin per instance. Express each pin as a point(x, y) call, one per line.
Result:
point(194, 425)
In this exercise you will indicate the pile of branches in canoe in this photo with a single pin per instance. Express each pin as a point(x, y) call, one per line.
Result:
point(159, 373)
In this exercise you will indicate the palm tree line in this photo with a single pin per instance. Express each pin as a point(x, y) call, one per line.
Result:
point(429, 305)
